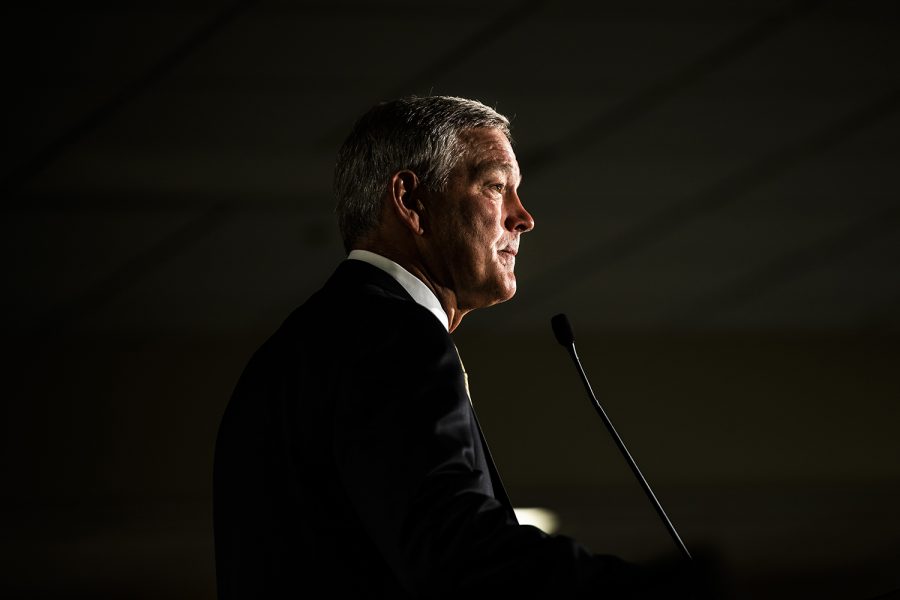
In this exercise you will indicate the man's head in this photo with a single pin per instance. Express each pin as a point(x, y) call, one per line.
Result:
point(418, 134)
point(434, 179)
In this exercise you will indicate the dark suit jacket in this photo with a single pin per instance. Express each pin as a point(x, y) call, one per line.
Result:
point(349, 460)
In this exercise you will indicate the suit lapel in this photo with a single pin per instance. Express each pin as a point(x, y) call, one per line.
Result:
point(496, 482)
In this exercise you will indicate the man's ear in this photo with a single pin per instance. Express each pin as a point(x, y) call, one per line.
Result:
point(405, 200)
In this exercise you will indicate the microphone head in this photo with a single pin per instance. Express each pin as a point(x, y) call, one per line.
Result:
point(562, 329)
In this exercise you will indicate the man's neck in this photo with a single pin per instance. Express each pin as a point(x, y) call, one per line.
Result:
point(445, 296)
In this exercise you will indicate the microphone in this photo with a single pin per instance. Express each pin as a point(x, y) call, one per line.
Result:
point(562, 329)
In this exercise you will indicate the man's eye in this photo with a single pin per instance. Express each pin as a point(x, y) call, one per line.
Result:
point(497, 186)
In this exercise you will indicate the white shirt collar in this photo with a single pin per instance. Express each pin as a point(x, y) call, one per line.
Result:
point(420, 292)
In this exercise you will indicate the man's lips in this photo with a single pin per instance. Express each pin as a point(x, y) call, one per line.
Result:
point(507, 256)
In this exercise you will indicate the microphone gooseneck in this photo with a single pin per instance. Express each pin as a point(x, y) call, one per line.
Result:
point(562, 329)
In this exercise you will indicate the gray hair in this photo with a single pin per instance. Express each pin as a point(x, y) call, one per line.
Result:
point(419, 134)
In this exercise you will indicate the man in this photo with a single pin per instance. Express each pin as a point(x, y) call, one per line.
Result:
point(349, 458)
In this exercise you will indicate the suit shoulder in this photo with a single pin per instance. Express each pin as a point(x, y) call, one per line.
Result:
point(365, 314)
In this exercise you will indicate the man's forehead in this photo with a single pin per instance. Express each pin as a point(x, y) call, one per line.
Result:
point(485, 143)
point(486, 149)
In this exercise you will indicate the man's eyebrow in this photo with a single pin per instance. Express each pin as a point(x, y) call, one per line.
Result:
point(484, 168)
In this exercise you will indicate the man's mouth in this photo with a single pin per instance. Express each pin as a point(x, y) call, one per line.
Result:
point(507, 255)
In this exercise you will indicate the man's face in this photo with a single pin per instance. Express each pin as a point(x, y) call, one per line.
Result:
point(474, 226)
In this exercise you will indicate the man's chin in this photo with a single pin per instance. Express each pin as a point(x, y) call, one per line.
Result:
point(508, 290)
point(512, 290)
point(495, 295)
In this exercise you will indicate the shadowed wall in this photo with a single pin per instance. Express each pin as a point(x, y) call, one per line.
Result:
point(715, 192)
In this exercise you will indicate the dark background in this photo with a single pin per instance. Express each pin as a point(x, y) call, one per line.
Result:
point(715, 186)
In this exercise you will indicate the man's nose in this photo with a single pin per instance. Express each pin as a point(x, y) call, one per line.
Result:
point(517, 218)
